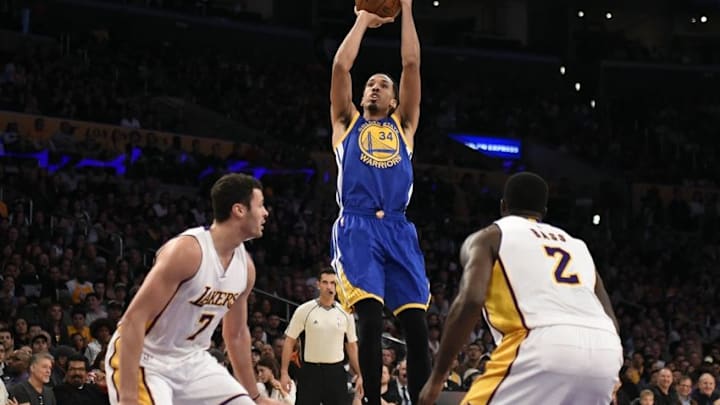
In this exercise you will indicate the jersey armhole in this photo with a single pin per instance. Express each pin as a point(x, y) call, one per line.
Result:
point(398, 123)
point(350, 127)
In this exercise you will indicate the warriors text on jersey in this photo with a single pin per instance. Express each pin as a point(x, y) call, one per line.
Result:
point(374, 166)
point(188, 321)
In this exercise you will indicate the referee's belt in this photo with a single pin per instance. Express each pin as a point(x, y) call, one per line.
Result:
point(375, 213)
point(339, 363)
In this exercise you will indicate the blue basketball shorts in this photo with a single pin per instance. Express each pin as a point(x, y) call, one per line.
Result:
point(379, 258)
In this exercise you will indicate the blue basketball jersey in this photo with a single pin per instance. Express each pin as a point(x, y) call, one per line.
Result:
point(374, 166)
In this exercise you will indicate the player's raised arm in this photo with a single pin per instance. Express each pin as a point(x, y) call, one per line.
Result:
point(341, 104)
point(177, 261)
point(409, 108)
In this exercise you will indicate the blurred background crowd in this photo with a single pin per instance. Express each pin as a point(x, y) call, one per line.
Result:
point(114, 129)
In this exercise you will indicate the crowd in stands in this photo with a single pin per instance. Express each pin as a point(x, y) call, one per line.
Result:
point(668, 138)
point(70, 264)
point(66, 280)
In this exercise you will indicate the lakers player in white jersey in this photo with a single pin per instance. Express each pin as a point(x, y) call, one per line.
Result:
point(158, 353)
point(545, 305)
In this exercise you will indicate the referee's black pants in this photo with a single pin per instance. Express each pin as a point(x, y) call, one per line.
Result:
point(320, 383)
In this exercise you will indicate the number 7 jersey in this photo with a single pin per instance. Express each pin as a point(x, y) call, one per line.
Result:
point(188, 321)
point(542, 277)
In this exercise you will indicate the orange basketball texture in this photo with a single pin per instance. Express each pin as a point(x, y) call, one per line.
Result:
point(383, 8)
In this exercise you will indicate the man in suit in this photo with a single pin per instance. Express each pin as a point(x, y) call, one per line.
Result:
point(400, 384)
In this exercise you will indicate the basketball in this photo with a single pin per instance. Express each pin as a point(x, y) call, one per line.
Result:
point(383, 8)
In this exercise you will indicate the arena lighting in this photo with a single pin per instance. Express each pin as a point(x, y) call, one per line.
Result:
point(436, 3)
point(577, 86)
point(562, 70)
point(693, 20)
point(120, 164)
point(592, 103)
point(581, 14)
point(703, 19)
point(504, 148)
point(596, 219)
point(608, 15)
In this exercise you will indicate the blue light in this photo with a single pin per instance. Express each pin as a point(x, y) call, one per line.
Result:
point(43, 158)
point(208, 171)
point(258, 172)
point(237, 166)
point(64, 160)
point(120, 164)
point(135, 154)
point(504, 148)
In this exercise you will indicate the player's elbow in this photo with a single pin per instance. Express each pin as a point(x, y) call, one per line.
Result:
point(471, 302)
point(134, 317)
point(341, 66)
point(411, 62)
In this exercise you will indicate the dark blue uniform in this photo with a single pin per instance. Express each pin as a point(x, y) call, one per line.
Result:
point(375, 250)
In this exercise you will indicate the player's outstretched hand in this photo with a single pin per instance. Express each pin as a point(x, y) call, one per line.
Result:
point(372, 20)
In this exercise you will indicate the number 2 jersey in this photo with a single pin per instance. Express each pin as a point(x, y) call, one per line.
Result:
point(543, 277)
point(187, 323)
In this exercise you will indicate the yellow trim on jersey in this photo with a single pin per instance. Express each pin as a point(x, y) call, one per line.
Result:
point(502, 312)
point(354, 119)
point(398, 124)
point(144, 396)
point(424, 307)
point(496, 370)
point(115, 366)
point(348, 294)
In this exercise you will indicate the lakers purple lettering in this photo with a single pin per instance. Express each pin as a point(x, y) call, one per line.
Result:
point(214, 297)
point(548, 236)
point(561, 276)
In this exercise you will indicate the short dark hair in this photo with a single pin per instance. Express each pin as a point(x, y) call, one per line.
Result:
point(77, 357)
point(231, 189)
point(326, 270)
point(101, 323)
point(38, 337)
point(526, 192)
point(270, 363)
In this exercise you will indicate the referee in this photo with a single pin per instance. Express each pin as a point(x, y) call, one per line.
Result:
point(322, 377)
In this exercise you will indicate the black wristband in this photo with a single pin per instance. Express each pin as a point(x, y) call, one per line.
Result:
point(255, 397)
